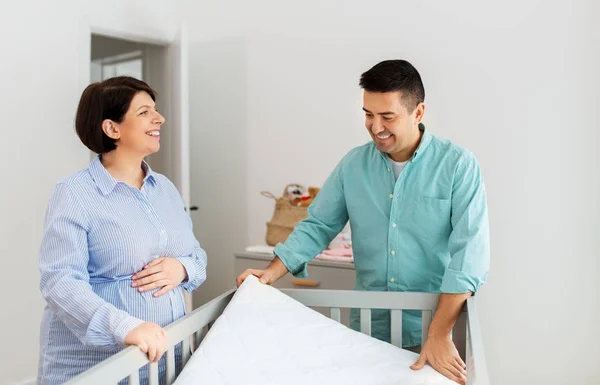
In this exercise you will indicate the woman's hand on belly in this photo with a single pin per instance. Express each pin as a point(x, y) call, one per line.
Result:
point(165, 273)
point(150, 338)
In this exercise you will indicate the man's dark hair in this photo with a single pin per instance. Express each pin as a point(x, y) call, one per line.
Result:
point(395, 75)
point(109, 99)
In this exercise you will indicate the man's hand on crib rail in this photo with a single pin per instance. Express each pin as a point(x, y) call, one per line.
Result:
point(442, 355)
point(439, 350)
point(164, 273)
point(150, 338)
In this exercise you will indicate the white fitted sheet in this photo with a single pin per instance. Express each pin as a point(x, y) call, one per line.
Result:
point(265, 337)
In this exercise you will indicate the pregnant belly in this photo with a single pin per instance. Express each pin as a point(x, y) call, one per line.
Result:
point(161, 310)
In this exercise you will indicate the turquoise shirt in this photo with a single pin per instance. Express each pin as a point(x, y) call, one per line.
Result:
point(426, 232)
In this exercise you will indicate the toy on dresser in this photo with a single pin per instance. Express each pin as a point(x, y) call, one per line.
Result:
point(294, 193)
point(308, 198)
point(300, 196)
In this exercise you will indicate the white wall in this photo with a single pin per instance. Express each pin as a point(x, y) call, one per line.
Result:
point(42, 80)
point(513, 81)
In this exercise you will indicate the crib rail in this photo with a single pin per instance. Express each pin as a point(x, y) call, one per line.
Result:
point(466, 333)
point(188, 331)
point(126, 364)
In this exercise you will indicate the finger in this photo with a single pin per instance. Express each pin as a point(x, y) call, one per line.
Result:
point(152, 351)
point(143, 347)
point(240, 279)
point(265, 277)
point(163, 346)
point(154, 262)
point(454, 370)
point(153, 285)
point(461, 362)
point(159, 350)
point(146, 272)
point(164, 290)
point(420, 363)
point(148, 280)
point(246, 273)
point(459, 367)
point(449, 375)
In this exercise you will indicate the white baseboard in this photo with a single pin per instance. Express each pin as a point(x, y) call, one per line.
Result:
point(30, 381)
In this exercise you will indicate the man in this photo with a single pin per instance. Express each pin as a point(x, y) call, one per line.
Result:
point(418, 214)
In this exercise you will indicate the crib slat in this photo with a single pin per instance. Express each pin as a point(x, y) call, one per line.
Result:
point(396, 327)
point(459, 336)
point(198, 338)
point(153, 373)
point(426, 321)
point(365, 321)
point(185, 354)
point(134, 378)
point(171, 365)
point(335, 314)
point(469, 360)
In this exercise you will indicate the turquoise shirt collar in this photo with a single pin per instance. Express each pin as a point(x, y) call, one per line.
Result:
point(423, 144)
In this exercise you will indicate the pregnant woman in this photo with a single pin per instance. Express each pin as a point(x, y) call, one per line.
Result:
point(118, 248)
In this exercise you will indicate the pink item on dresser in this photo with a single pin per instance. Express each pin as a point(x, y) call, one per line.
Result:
point(334, 258)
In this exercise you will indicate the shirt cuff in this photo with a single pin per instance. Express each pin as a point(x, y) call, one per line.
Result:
point(190, 269)
point(292, 261)
point(124, 327)
point(458, 282)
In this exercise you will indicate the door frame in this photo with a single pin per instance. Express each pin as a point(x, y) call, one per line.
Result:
point(122, 31)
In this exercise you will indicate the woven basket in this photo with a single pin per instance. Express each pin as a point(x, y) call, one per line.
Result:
point(285, 217)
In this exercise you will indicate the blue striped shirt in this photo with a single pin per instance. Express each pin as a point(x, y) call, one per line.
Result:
point(98, 232)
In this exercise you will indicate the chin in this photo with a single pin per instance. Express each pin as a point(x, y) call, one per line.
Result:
point(152, 150)
point(385, 148)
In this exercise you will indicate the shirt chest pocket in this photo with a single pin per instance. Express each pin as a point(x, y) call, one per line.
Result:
point(431, 217)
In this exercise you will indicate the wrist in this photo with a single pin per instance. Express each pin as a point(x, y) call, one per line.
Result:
point(125, 327)
point(277, 267)
point(438, 332)
point(187, 266)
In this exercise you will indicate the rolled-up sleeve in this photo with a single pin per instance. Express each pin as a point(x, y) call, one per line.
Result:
point(469, 242)
point(195, 267)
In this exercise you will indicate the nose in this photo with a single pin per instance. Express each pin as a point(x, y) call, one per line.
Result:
point(158, 118)
point(376, 126)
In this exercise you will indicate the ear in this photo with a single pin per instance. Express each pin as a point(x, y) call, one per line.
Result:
point(419, 112)
point(111, 129)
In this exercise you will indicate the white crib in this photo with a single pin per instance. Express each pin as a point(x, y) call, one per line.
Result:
point(190, 329)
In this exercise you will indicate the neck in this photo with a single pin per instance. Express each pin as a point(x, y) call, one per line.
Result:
point(405, 154)
point(124, 167)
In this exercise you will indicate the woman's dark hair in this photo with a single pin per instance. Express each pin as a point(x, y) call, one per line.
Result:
point(395, 75)
point(109, 99)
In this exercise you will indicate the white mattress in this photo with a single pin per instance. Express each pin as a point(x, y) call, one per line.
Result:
point(265, 337)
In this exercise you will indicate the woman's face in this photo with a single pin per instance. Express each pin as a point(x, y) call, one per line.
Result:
point(139, 132)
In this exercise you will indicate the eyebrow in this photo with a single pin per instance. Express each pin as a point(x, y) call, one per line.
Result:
point(144, 106)
point(381, 113)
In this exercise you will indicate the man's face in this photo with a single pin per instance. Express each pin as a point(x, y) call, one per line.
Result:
point(393, 129)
